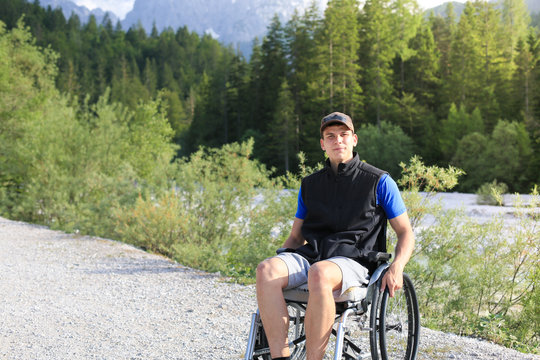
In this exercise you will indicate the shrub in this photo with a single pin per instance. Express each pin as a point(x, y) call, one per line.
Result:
point(224, 213)
point(69, 166)
point(491, 193)
point(471, 278)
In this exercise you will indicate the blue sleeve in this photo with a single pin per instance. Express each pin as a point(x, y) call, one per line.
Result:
point(389, 198)
point(301, 208)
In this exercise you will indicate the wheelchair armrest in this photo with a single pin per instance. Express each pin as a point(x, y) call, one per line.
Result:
point(379, 257)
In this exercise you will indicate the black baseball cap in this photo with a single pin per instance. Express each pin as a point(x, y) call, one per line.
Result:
point(336, 118)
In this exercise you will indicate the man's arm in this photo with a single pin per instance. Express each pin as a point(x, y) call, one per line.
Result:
point(404, 248)
point(295, 239)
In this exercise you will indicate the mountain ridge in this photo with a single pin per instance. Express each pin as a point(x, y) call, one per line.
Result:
point(232, 22)
point(68, 8)
point(235, 22)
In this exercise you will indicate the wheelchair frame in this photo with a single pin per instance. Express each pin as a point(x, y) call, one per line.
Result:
point(388, 319)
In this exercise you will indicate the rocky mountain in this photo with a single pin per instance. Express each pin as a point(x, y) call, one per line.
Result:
point(230, 21)
point(69, 8)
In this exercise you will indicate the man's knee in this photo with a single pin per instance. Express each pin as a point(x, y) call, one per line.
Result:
point(270, 270)
point(264, 270)
point(324, 276)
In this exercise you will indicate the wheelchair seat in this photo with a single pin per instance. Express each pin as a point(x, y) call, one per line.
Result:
point(352, 295)
point(300, 294)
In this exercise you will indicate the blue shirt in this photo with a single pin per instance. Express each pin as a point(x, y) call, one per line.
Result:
point(388, 197)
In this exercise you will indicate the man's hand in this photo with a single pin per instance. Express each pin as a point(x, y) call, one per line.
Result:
point(393, 279)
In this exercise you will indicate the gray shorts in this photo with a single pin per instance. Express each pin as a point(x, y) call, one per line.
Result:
point(353, 274)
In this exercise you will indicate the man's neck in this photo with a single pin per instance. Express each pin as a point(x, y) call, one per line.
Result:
point(335, 165)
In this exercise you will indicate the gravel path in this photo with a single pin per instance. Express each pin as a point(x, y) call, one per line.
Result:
point(70, 297)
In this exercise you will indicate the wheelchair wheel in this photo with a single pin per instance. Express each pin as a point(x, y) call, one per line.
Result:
point(398, 323)
point(297, 337)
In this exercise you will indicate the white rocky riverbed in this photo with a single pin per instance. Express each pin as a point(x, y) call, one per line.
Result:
point(64, 296)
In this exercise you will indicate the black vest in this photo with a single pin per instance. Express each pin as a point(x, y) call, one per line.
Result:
point(342, 217)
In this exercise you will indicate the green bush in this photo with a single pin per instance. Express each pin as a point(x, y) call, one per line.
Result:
point(471, 278)
point(69, 166)
point(491, 193)
point(224, 213)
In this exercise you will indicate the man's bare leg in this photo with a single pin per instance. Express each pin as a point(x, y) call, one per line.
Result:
point(324, 277)
point(272, 277)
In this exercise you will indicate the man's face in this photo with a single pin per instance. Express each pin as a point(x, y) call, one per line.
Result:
point(338, 141)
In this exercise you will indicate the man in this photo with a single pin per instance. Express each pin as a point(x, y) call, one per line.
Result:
point(342, 210)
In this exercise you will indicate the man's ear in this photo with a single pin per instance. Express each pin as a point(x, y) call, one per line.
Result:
point(322, 145)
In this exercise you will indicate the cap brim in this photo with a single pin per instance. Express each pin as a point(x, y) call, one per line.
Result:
point(334, 122)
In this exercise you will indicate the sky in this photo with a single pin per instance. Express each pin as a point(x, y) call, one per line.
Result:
point(122, 7)
point(119, 7)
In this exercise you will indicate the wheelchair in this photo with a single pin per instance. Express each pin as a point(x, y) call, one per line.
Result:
point(368, 325)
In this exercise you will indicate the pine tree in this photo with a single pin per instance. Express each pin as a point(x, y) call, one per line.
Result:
point(525, 62)
point(526, 89)
point(444, 31)
point(255, 86)
point(237, 94)
point(423, 69)
point(149, 75)
point(516, 19)
point(377, 54)
point(406, 21)
point(126, 86)
point(300, 36)
point(458, 124)
point(273, 70)
point(283, 130)
point(497, 72)
point(464, 82)
point(419, 98)
point(176, 115)
point(336, 83)
point(206, 128)
point(268, 70)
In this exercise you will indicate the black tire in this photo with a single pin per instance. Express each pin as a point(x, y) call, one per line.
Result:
point(398, 324)
point(374, 321)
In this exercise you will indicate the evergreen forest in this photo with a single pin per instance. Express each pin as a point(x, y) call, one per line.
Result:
point(462, 92)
